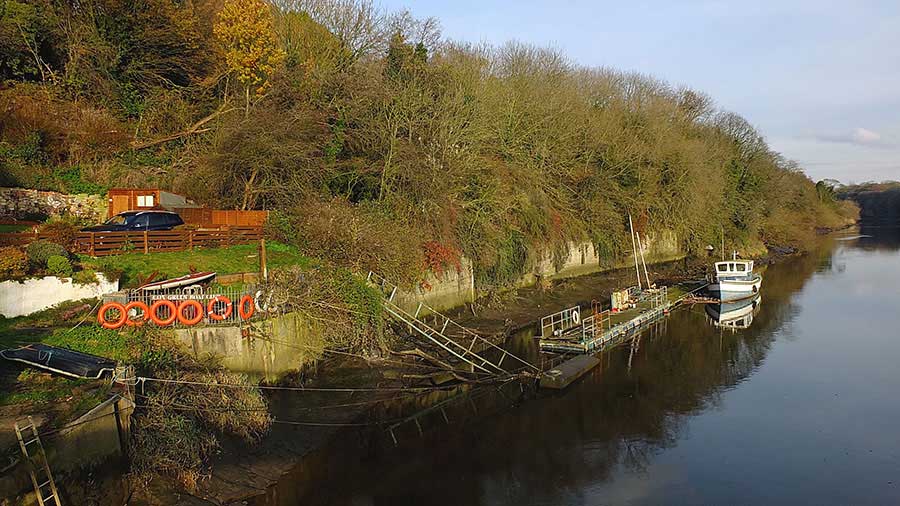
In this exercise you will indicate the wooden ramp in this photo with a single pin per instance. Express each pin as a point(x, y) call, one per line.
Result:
point(563, 375)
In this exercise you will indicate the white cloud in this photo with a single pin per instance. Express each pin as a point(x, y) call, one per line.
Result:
point(859, 136)
point(864, 136)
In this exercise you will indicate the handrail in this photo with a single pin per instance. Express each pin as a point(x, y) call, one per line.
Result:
point(448, 322)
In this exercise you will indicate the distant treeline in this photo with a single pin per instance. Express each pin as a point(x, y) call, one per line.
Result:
point(378, 143)
point(878, 202)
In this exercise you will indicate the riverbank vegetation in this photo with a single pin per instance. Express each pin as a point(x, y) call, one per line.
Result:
point(878, 202)
point(371, 135)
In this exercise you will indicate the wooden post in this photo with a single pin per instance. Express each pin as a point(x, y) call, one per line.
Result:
point(93, 244)
point(190, 240)
point(146, 242)
point(263, 270)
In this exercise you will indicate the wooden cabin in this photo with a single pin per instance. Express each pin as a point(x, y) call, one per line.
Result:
point(142, 199)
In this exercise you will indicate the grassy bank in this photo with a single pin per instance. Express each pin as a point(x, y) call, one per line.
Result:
point(227, 260)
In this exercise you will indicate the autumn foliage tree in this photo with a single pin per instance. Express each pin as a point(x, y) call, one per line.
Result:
point(246, 33)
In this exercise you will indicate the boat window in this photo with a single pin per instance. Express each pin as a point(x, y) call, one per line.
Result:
point(731, 267)
point(723, 267)
point(741, 267)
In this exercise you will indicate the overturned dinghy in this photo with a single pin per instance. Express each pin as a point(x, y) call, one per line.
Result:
point(179, 282)
point(63, 361)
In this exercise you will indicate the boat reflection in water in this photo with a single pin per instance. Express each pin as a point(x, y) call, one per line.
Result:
point(734, 315)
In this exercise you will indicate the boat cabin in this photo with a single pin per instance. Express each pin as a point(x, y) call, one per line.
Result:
point(734, 268)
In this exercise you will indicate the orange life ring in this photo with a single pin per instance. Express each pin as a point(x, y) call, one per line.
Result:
point(101, 315)
point(198, 312)
point(211, 308)
point(136, 304)
point(245, 313)
point(154, 313)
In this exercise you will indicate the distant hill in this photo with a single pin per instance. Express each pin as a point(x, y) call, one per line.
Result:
point(878, 202)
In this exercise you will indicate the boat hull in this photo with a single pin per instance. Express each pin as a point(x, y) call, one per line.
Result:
point(190, 279)
point(731, 290)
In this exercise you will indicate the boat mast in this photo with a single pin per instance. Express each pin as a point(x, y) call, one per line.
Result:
point(643, 262)
point(634, 250)
point(723, 243)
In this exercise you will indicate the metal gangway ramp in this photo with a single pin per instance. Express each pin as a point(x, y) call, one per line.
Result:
point(461, 343)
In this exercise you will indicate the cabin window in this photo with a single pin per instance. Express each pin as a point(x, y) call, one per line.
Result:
point(723, 267)
point(741, 267)
point(731, 267)
point(145, 201)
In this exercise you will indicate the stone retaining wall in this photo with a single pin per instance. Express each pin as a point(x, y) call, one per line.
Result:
point(459, 288)
point(268, 348)
point(25, 204)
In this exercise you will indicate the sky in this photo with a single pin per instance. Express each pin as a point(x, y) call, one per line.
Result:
point(819, 79)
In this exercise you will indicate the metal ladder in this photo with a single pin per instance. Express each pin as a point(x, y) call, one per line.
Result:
point(39, 467)
point(460, 342)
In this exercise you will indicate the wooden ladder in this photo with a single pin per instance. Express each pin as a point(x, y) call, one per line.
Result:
point(38, 466)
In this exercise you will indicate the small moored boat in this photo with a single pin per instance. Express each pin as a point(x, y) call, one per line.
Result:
point(735, 280)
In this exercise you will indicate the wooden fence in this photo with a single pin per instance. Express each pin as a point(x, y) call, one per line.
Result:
point(218, 217)
point(99, 244)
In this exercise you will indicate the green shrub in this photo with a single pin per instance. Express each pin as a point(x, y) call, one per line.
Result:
point(85, 277)
point(39, 253)
point(280, 227)
point(13, 262)
point(71, 180)
point(59, 266)
point(62, 231)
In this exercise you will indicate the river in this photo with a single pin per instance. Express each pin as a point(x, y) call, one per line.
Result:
point(802, 406)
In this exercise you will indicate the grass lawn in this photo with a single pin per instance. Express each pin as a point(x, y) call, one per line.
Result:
point(229, 260)
point(13, 228)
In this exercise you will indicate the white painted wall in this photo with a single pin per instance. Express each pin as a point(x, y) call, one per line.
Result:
point(33, 295)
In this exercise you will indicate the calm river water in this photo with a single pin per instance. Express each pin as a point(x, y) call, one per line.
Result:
point(802, 407)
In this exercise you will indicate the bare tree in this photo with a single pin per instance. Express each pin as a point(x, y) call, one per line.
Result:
point(359, 25)
point(426, 32)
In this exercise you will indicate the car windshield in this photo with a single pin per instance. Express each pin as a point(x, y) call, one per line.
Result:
point(119, 219)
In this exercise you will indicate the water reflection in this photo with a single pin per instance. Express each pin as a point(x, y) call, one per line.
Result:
point(734, 315)
point(800, 406)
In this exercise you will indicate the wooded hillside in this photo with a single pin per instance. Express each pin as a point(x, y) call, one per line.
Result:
point(377, 142)
point(878, 202)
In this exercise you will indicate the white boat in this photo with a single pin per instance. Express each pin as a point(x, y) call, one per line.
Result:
point(735, 280)
point(734, 315)
point(182, 281)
